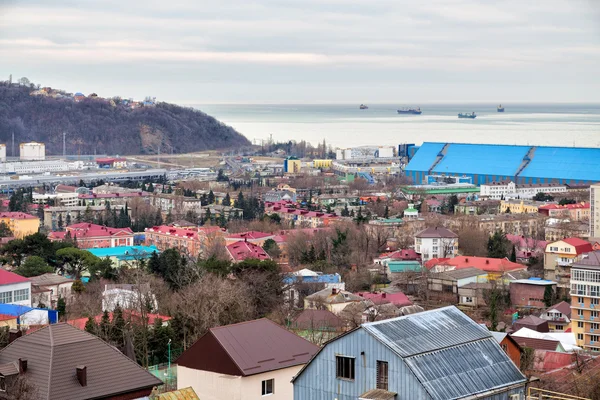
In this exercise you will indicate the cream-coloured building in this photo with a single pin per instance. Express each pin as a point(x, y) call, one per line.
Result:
point(595, 210)
point(21, 224)
point(520, 206)
point(332, 299)
point(560, 256)
point(247, 361)
point(510, 190)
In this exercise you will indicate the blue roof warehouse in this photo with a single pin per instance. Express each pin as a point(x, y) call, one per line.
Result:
point(494, 162)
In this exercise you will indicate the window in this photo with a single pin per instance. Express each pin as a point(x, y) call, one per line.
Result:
point(595, 326)
point(515, 397)
point(594, 314)
point(344, 367)
point(559, 327)
point(580, 324)
point(593, 338)
point(580, 336)
point(580, 312)
point(6, 297)
point(468, 299)
point(505, 348)
point(268, 387)
point(22, 295)
point(595, 301)
point(382, 375)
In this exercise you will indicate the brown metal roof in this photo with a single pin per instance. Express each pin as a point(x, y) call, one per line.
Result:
point(537, 344)
point(377, 394)
point(181, 394)
point(563, 307)
point(437, 232)
point(248, 348)
point(317, 320)
point(54, 352)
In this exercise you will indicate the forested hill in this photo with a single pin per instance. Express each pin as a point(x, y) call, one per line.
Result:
point(97, 125)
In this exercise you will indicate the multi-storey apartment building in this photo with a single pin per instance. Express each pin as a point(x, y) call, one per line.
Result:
point(595, 210)
point(585, 301)
point(560, 256)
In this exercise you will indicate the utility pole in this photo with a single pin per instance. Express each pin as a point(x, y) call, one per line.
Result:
point(13, 144)
point(159, 155)
point(65, 145)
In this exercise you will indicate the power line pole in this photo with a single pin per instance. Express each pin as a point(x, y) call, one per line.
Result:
point(64, 145)
point(13, 144)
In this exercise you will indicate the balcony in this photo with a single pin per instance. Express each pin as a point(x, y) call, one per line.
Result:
point(562, 263)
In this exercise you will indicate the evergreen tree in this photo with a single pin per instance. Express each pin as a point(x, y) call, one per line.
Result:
point(150, 187)
point(68, 219)
point(118, 326)
point(169, 219)
point(60, 222)
point(61, 307)
point(345, 211)
point(105, 326)
point(88, 215)
point(513, 254)
point(91, 327)
point(211, 197)
point(497, 245)
point(386, 212)
point(227, 200)
point(548, 296)
point(158, 218)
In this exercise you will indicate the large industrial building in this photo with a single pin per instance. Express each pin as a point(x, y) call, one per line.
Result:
point(493, 162)
point(32, 151)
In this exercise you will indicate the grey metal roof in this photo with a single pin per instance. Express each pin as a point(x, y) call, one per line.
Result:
point(436, 232)
point(54, 352)
point(49, 279)
point(427, 331)
point(499, 336)
point(460, 273)
point(465, 370)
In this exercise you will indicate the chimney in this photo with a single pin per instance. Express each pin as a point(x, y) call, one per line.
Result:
point(22, 365)
point(334, 291)
point(467, 259)
point(14, 334)
point(82, 374)
point(487, 261)
point(383, 295)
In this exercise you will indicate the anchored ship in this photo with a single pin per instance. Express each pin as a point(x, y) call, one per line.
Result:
point(414, 111)
point(467, 115)
point(500, 108)
point(363, 107)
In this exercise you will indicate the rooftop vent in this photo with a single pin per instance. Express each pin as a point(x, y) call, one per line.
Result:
point(82, 374)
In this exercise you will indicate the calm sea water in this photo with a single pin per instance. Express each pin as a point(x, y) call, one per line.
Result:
point(347, 125)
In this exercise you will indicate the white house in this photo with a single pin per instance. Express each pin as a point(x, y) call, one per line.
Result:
point(247, 361)
point(14, 289)
point(127, 296)
point(436, 242)
point(48, 288)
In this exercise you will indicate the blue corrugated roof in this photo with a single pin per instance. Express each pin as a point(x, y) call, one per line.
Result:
point(124, 251)
point(482, 159)
point(403, 266)
point(425, 157)
point(326, 278)
point(564, 163)
point(14, 309)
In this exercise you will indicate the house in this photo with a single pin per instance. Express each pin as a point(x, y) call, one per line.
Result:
point(574, 212)
point(399, 255)
point(527, 247)
point(48, 288)
point(437, 354)
point(63, 362)
point(472, 294)
point(436, 242)
point(20, 223)
point(398, 299)
point(128, 315)
point(14, 289)
point(520, 206)
point(240, 251)
point(127, 296)
point(29, 316)
point(254, 237)
point(244, 361)
point(395, 269)
point(566, 339)
point(477, 207)
point(531, 293)
point(287, 211)
point(558, 317)
point(279, 195)
point(334, 300)
point(305, 282)
point(89, 236)
point(494, 267)
point(508, 189)
point(510, 346)
point(539, 344)
point(128, 256)
point(165, 237)
point(411, 213)
point(447, 283)
point(559, 256)
point(318, 326)
point(532, 322)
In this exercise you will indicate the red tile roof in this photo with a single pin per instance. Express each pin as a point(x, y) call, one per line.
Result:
point(177, 232)
point(483, 263)
point(565, 207)
point(407, 254)
point(241, 251)
point(398, 299)
point(17, 215)
point(250, 235)
point(581, 246)
point(127, 314)
point(284, 208)
point(86, 230)
point(7, 277)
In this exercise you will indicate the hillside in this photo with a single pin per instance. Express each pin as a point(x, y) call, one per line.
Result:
point(107, 126)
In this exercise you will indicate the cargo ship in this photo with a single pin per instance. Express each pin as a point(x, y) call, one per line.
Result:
point(467, 115)
point(500, 108)
point(363, 107)
point(414, 111)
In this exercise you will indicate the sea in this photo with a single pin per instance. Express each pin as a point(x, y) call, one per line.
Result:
point(345, 125)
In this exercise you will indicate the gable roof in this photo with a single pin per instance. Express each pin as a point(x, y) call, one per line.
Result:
point(240, 251)
point(563, 307)
point(54, 352)
point(436, 232)
point(592, 260)
point(450, 354)
point(317, 320)
point(460, 273)
point(537, 344)
point(251, 347)
point(483, 263)
point(8, 278)
point(581, 246)
point(48, 279)
point(398, 299)
point(333, 296)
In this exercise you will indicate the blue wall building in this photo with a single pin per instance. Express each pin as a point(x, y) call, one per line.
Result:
point(486, 163)
point(434, 355)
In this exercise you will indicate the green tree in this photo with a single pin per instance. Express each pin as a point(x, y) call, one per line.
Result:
point(74, 262)
point(60, 222)
point(272, 248)
point(498, 245)
point(513, 254)
point(215, 266)
point(91, 326)
point(541, 196)
point(211, 197)
point(221, 177)
point(226, 200)
point(78, 286)
point(88, 215)
point(548, 296)
point(105, 328)
point(5, 229)
point(61, 307)
point(34, 266)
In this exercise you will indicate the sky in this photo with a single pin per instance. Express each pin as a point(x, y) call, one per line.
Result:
point(309, 51)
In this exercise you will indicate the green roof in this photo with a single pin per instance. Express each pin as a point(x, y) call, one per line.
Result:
point(404, 266)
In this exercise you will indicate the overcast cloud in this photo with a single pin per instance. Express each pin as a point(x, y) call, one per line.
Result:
point(310, 51)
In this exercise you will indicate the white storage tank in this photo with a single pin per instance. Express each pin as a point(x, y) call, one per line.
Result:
point(2, 153)
point(32, 151)
point(386, 152)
